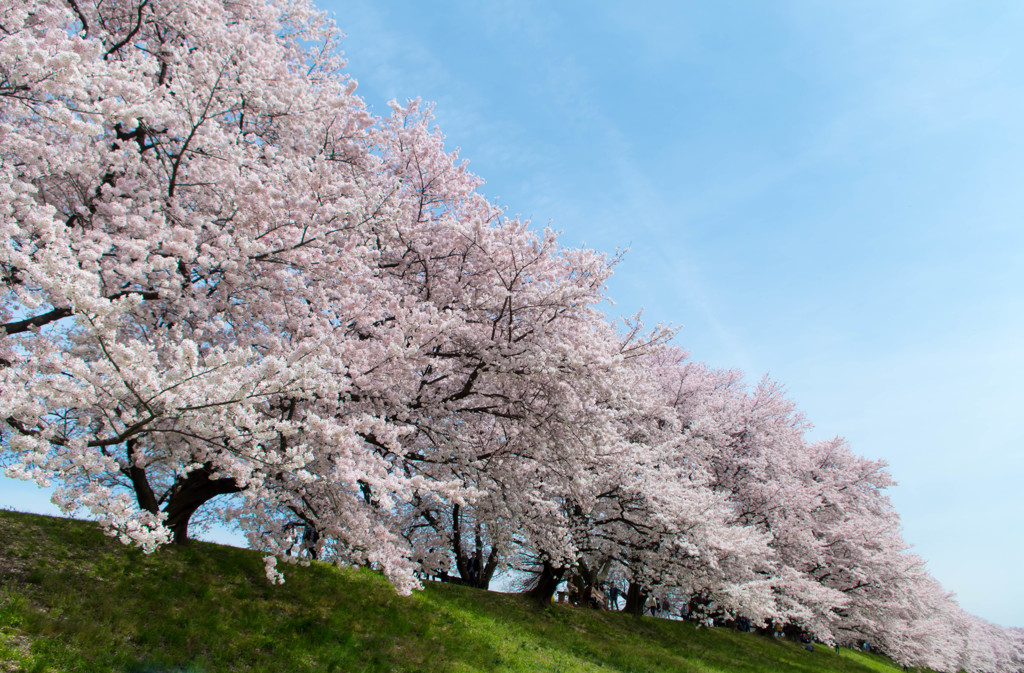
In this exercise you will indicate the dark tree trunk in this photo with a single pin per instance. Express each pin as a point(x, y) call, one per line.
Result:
point(475, 571)
point(636, 596)
point(310, 538)
point(144, 494)
point(546, 584)
point(488, 570)
point(586, 574)
point(188, 495)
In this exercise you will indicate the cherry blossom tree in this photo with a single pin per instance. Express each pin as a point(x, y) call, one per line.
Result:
point(193, 286)
point(660, 520)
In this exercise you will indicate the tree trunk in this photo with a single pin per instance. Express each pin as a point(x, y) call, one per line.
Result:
point(546, 584)
point(477, 570)
point(191, 493)
point(144, 494)
point(636, 596)
point(489, 568)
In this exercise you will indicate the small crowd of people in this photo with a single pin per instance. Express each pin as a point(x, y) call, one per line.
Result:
point(591, 597)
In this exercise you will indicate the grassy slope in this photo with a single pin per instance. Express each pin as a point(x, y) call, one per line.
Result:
point(74, 600)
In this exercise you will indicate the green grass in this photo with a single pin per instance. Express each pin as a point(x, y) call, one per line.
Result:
point(72, 599)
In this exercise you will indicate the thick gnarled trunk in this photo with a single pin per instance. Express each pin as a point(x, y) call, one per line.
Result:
point(547, 583)
point(185, 497)
point(188, 495)
point(636, 596)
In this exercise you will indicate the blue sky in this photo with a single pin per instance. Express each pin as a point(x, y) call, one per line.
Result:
point(828, 193)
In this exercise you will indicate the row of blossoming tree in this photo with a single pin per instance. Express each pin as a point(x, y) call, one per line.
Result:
point(223, 276)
